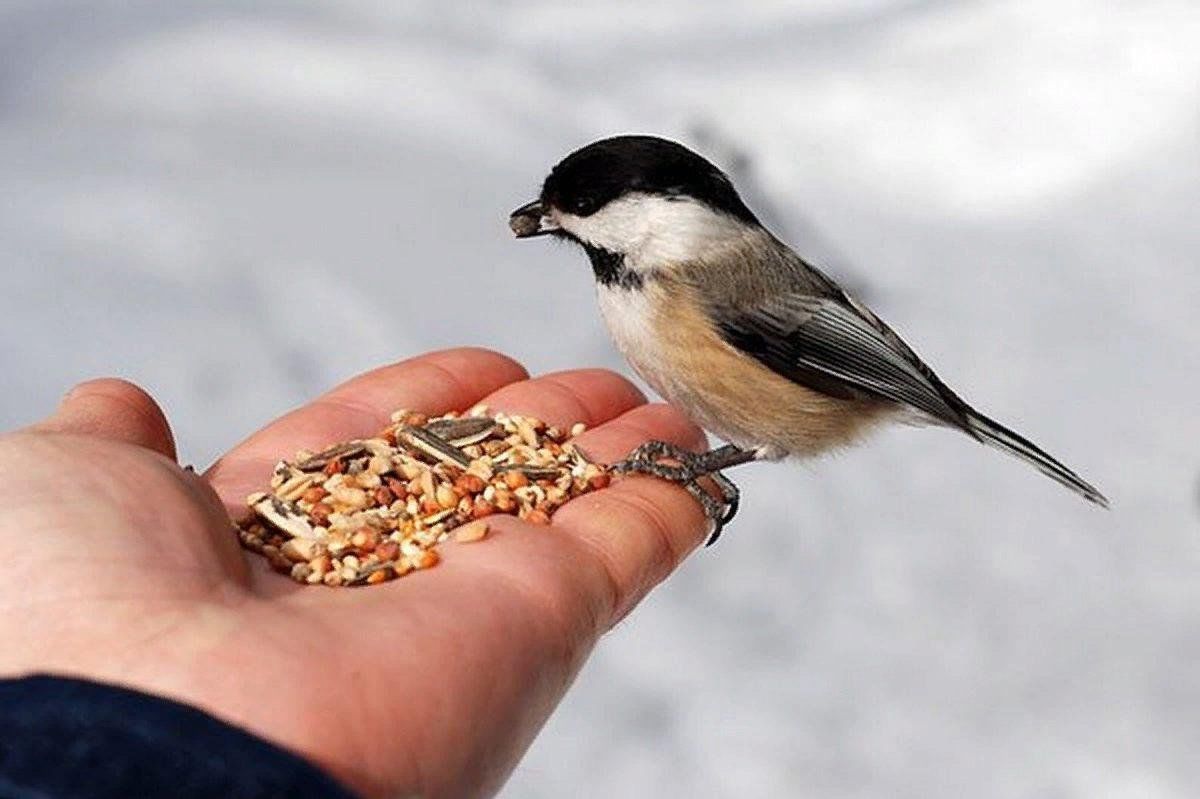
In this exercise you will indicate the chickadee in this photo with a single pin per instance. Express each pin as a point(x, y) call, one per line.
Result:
point(750, 341)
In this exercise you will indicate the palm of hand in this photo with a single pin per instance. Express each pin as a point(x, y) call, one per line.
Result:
point(123, 568)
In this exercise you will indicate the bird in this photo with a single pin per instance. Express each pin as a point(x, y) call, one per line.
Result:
point(750, 341)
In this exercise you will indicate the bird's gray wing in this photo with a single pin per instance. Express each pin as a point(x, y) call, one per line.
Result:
point(812, 332)
point(835, 345)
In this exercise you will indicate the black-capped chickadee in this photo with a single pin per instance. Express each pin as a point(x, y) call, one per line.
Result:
point(723, 320)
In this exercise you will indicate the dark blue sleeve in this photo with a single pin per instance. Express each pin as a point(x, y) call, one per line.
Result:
point(63, 738)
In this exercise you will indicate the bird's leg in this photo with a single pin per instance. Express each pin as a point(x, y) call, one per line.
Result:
point(687, 469)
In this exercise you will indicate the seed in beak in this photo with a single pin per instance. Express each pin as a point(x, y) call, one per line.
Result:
point(531, 220)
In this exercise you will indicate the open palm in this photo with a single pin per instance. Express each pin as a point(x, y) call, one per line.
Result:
point(122, 567)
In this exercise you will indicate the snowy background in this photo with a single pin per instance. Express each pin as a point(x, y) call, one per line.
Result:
point(236, 203)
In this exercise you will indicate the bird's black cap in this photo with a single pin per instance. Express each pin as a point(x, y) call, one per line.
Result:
point(589, 178)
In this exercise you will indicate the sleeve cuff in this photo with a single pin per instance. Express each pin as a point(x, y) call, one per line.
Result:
point(63, 737)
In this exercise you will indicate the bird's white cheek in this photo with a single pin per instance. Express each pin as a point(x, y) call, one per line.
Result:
point(682, 230)
point(618, 227)
point(652, 231)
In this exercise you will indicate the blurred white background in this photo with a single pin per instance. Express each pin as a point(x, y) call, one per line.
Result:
point(237, 204)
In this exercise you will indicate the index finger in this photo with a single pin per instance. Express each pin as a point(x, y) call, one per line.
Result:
point(432, 383)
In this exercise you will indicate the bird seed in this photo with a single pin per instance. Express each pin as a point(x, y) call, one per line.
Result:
point(368, 511)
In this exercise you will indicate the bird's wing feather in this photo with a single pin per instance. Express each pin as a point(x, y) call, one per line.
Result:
point(814, 333)
point(837, 346)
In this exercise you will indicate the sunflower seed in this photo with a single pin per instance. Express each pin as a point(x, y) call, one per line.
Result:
point(462, 432)
point(285, 517)
point(422, 440)
point(319, 461)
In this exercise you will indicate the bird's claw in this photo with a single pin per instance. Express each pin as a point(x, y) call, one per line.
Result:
point(687, 470)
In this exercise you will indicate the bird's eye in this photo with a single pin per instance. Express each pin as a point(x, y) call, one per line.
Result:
point(583, 205)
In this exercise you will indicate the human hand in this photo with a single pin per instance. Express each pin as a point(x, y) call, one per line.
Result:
point(122, 567)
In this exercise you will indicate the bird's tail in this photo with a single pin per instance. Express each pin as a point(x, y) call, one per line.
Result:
point(997, 435)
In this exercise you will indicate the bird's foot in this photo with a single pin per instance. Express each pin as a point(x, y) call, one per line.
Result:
point(685, 468)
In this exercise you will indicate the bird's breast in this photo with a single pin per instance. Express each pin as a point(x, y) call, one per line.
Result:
point(669, 349)
point(630, 316)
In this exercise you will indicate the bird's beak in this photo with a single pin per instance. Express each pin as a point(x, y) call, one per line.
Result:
point(531, 220)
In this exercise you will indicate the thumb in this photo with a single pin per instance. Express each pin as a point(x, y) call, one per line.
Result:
point(113, 409)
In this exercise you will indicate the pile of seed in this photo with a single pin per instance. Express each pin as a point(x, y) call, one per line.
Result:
point(370, 510)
